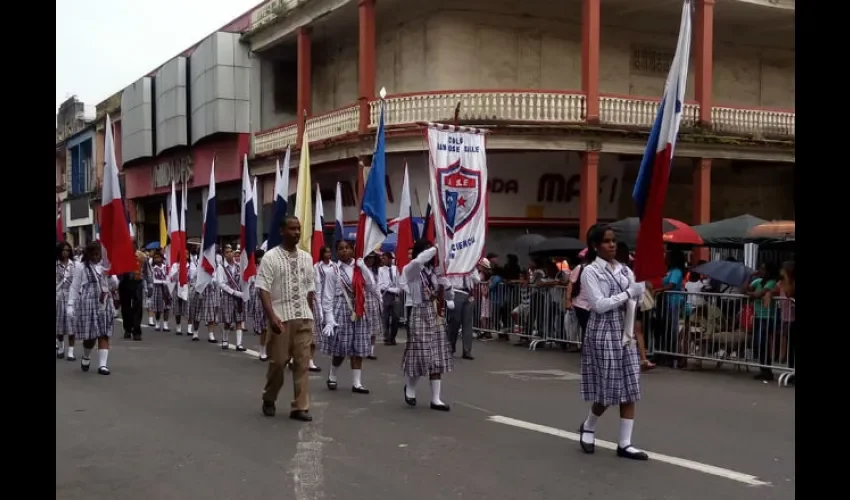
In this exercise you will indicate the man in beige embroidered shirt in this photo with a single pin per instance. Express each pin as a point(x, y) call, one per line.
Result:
point(287, 286)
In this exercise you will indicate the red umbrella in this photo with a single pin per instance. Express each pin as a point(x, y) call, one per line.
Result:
point(683, 234)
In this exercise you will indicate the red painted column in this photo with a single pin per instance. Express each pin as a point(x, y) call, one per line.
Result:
point(304, 96)
point(701, 199)
point(366, 61)
point(704, 59)
point(589, 200)
point(590, 35)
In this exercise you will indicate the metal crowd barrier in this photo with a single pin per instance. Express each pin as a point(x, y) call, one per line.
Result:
point(728, 329)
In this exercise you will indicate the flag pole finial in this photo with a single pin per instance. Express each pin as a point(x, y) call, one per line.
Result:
point(383, 93)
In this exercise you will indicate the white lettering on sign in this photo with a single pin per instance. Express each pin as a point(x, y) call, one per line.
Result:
point(177, 169)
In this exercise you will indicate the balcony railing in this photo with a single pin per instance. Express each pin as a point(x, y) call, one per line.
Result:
point(271, 11)
point(523, 107)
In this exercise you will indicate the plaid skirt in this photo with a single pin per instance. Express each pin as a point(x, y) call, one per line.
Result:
point(351, 338)
point(232, 309)
point(319, 340)
point(179, 307)
point(427, 351)
point(90, 318)
point(375, 314)
point(610, 373)
point(210, 304)
point(63, 322)
point(196, 305)
point(258, 315)
point(159, 303)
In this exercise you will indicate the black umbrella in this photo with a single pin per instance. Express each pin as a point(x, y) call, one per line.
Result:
point(626, 229)
point(728, 232)
point(726, 272)
point(557, 247)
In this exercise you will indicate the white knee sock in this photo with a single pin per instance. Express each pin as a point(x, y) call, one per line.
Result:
point(262, 350)
point(179, 328)
point(590, 425)
point(189, 329)
point(211, 335)
point(225, 336)
point(355, 378)
point(238, 337)
point(70, 351)
point(627, 425)
point(436, 385)
point(61, 347)
point(410, 386)
point(332, 373)
point(86, 353)
point(103, 354)
point(372, 350)
point(312, 364)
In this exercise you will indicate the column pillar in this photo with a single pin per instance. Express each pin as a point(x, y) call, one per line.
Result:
point(701, 200)
point(590, 35)
point(304, 95)
point(704, 59)
point(366, 61)
point(589, 200)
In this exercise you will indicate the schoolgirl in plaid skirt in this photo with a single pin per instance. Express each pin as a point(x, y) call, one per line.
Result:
point(90, 304)
point(348, 336)
point(320, 271)
point(232, 302)
point(196, 302)
point(64, 275)
point(161, 296)
point(427, 352)
point(374, 305)
point(610, 367)
point(179, 298)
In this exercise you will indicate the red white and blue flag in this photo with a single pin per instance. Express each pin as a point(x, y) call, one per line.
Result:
point(248, 231)
point(209, 236)
point(115, 239)
point(650, 189)
point(183, 270)
point(372, 225)
point(281, 201)
point(404, 229)
point(318, 240)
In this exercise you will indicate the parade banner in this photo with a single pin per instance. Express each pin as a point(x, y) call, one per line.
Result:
point(458, 173)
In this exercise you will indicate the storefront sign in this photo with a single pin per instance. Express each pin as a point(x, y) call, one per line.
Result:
point(177, 169)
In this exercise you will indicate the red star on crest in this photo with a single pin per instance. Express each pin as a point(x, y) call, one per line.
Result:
point(461, 201)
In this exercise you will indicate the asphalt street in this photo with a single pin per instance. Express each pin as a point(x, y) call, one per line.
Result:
point(182, 420)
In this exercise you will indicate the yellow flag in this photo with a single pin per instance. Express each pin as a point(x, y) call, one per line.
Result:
point(163, 229)
point(303, 198)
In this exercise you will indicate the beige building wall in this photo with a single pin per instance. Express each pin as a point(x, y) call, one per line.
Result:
point(536, 45)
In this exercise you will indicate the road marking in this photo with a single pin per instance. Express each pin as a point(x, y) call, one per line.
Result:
point(528, 375)
point(658, 457)
point(306, 466)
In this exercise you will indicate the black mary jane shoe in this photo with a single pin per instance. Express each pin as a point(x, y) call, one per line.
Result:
point(85, 364)
point(440, 407)
point(241, 348)
point(196, 339)
point(178, 333)
point(103, 370)
point(372, 357)
point(269, 409)
point(409, 401)
point(360, 390)
point(212, 341)
point(332, 385)
point(586, 447)
point(70, 358)
point(300, 415)
point(263, 357)
point(315, 369)
point(632, 453)
point(225, 346)
point(60, 355)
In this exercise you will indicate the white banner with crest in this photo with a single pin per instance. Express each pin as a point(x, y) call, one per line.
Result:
point(458, 173)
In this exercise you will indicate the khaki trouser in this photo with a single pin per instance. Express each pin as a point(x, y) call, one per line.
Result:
point(292, 343)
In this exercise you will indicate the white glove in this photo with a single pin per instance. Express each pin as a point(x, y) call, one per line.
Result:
point(360, 262)
point(450, 304)
point(636, 290)
point(393, 290)
point(69, 311)
point(328, 330)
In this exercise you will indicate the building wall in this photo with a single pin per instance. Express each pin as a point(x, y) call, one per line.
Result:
point(531, 46)
point(228, 152)
point(172, 105)
point(277, 93)
point(219, 76)
point(137, 106)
